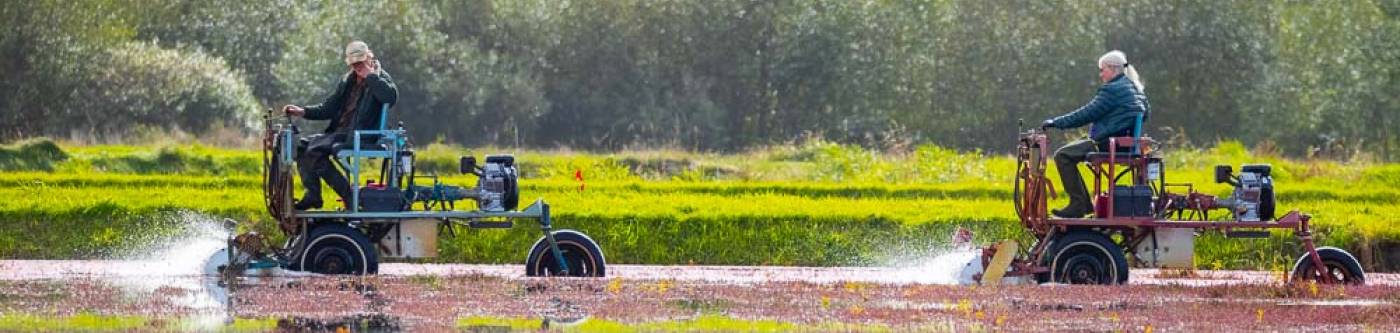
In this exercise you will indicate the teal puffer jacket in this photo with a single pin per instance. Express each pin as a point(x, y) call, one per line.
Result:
point(1113, 112)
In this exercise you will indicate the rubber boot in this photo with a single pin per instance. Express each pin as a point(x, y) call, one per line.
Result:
point(1079, 204)
point(338, 183)
point(311, 198)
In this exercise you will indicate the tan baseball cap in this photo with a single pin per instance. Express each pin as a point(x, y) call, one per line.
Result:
point(357, 51)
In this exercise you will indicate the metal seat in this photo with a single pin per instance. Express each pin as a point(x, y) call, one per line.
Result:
point(345, 149)
point(1130, 152)
point(371, 143)
point(1130, 156)
point(382, 143)
point(1125, 150)
point(1118, 157)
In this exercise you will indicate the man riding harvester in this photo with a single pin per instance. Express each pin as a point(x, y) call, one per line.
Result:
point(400, 214)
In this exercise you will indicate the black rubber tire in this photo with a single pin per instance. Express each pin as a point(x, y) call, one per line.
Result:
point(1087, 257)
point(1343, 267)
point(581, 254)
point(1267, 202)
point(1045, 262)
point(511, 199)
point(335, 248)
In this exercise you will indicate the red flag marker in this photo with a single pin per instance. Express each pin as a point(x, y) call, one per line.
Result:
point(578, 175)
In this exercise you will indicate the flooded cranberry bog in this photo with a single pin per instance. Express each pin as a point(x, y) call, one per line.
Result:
point(156, 296)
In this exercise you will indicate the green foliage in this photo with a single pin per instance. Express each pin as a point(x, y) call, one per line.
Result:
point(1385, 176)
point(90, 322)
point(83, 75)
point(192, 160)
point(252, 35)
point(785, 205)
point(149, 85)
point(77, 322)
point(39, 154)
point(1308, 79)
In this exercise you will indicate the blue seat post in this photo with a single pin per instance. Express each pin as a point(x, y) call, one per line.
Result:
point(384, 134)
point(1137, 134)
point(384, 118)
point(356, 154)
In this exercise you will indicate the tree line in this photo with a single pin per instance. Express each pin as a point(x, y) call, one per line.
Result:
point(1298, 77)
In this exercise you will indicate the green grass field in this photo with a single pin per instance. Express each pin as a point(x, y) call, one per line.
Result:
point(812, 204)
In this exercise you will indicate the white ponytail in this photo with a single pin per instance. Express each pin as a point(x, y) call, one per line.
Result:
point(1119, 61)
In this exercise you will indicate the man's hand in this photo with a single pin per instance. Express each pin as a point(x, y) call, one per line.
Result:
point(294, 110)
point(1048, 123)
point(373, 66)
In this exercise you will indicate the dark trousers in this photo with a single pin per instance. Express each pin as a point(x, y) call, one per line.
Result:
point(1067, 159)
point(314, 164)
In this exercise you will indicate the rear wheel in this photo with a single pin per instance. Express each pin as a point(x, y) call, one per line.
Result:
point(1341, 266)
point(335, 248)
point(1087, 257)
point(581, 255)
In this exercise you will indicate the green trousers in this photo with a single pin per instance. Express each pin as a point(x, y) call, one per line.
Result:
point(1067, 159)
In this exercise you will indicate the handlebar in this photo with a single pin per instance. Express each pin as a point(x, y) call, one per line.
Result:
point(271, 118)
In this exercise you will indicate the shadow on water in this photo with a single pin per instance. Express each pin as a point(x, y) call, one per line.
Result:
point(372, 318)
point(372, 322)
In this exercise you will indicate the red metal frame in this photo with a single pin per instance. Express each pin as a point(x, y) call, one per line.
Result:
point(1108, 168)
point(1035, 189)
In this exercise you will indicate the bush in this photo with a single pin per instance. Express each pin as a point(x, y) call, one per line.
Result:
point(100, 92)
point(39, 154)
point(140, 83)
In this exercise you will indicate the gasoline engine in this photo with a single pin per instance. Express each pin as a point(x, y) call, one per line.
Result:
point(1253, 198)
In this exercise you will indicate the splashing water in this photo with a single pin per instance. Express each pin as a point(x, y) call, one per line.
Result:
point(949, 267)
point(184, 253)
point(176, 263)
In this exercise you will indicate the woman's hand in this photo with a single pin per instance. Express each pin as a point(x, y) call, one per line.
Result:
point(294, 110)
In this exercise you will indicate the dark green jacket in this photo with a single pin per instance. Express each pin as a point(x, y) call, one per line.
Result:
point(379, 89)
point(1113, 112)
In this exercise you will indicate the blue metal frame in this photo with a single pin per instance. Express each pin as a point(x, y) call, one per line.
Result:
point(537, 210)
point(393, 140)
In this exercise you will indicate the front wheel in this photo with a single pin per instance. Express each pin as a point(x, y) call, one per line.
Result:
point(581, 255)
point(1340, 266)
point(1087, 257)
